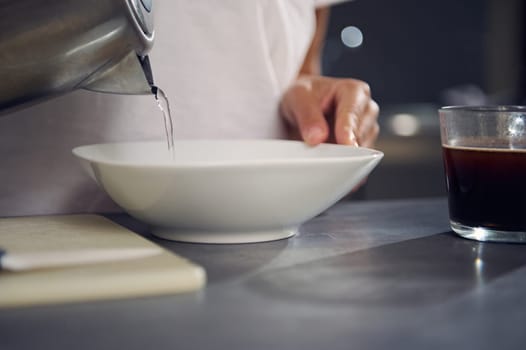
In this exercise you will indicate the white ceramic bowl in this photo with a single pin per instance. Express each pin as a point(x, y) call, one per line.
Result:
point(226, 191)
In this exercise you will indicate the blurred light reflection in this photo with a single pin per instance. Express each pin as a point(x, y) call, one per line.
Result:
point(352, 36)
point(479, 266)
point(405, 124)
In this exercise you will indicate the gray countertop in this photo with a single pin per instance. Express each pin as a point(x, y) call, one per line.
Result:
point(363, 275)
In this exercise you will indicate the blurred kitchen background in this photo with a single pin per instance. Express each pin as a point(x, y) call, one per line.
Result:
point(420, 55)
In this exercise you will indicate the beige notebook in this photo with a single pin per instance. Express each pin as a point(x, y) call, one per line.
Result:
point(153, 274)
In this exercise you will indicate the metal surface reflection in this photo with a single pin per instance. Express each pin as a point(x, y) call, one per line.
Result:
point(418, 272)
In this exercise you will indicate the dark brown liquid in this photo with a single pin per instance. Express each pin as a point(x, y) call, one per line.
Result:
point(487, 187)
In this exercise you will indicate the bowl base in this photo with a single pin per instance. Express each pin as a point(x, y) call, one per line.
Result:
point(220, 237)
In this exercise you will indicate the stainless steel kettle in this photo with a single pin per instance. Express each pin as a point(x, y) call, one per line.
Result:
point(50, 47)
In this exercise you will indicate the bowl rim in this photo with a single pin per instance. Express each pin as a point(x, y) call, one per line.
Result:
point(370, 155)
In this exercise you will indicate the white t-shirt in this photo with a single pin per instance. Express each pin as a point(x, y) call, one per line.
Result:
point(224, 66)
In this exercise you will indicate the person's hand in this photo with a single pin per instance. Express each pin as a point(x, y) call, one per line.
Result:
point(323, 109)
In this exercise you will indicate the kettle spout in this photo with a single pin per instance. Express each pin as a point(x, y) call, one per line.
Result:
point(131, 76)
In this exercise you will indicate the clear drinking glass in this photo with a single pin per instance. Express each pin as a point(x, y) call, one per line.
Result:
point(484, 152)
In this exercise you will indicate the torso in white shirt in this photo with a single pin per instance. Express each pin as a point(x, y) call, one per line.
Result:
point(224, 65)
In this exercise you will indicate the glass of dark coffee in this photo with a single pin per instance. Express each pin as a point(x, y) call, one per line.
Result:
point(484, 152)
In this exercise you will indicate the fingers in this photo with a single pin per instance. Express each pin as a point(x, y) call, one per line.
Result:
point(302, 110)
point(368, 128)
point(307, 102)
point(352, 99)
